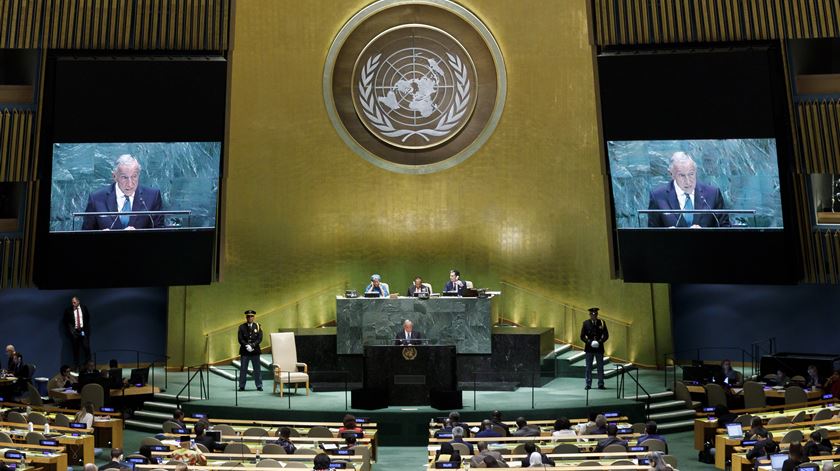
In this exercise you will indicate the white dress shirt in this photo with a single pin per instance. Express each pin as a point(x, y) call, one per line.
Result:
point(681, 196)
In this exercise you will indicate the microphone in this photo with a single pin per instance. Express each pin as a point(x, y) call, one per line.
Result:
point(714, 215)
point(147, 208)
point(114, 222)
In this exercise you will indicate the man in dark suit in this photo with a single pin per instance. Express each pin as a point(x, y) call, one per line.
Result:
point(408, 336)
point(206, 440)
point(22, 372)
point(117, 460)
point(77, 323)
point(455, 284)
point(684, 192)
point(593, 334)
point(612, 439)
point(125, 194)
point(250, 336)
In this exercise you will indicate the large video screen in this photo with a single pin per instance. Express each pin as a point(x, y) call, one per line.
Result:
point(696, 183)
point(158, 185)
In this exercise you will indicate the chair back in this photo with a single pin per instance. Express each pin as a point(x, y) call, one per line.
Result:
point(37, 418)
point(429, 285)
point(715, 395)
point(238, 448)
point(622, 463)
point(296, 464)
point(283, 351)
point(273, 449)
point(93, 393)
point(795, 395)
point(269, 463)
point(226, 429)
point(150, 441)
point(33, 397)
point(615, 448)
point(671, 460)
point(745, 420)
point(468, 284)
point(655, 444)
point(202, 448)
point(255, 432)
point(232, 464)
point(590, 463)
point(500, 430)
point(794, 436)
point(800, 416)
point(5, 438)
point(754, 397)
point(518, 449)
point(62, 420)
point(34, 438)
point(320, 432)
point(681, 393)
point(305, 451)
point(566, 448)
point(461, 448)
point(169, 426)
point(639, 427)
point(16, 417)
point(779, 419)
point(823, 414)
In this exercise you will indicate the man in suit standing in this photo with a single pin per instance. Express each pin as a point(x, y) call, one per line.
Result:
point(250, 336)
point(125, 194)
point(593, 334)
point(686, 193)
point(77, 323)
point(408, 336)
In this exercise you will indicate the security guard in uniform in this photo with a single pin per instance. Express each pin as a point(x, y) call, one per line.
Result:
point(593, 334)
point(250, 336)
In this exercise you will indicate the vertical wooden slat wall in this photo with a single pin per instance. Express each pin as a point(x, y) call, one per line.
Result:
point(133, 25)
point(815, 123)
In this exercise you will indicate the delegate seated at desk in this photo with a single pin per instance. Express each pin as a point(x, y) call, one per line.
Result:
point(377, 286)
point(455, 283)
point(408, 336)
point(418, 288)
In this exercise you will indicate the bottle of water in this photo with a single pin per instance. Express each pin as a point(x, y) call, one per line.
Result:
point(47, 428)
point(31, 427)
point(258, 457)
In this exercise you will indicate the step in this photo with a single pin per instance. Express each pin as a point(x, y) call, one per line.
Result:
point(673, 415)
point(657, 396)
point(266, 373)
point(166, 397)
point(226, 374)
point(142, 425)
point(152, 415)
point(559, 349)
point(678, 426)
point(665, 405)
point(165, 406)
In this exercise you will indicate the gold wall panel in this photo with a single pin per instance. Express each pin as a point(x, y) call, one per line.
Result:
point(305, 216)
point(622, 22)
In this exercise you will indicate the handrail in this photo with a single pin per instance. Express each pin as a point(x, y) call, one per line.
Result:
point(155, 357)
point(204, 387)
point(561, 303)
point(620, 387)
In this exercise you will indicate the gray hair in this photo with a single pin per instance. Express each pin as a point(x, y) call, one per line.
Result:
point(680, 157)
point(375, 277)
point(457, 431)
point(407, 322)
point(91, 467)
point(126, 160)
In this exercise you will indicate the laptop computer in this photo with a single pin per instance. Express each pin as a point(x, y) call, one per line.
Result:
point(374, 294)
point(777, 460)
point(734, 430)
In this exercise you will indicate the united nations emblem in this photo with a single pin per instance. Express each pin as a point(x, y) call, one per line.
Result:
point(414, 86)
point(409, 353)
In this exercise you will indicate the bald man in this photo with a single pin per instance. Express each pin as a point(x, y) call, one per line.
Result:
point(408, 336)
point(125, 194)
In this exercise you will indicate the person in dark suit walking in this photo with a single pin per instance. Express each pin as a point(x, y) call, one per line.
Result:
point(250, 336)
point(408, 336)
point(77, 323)
point(593, 334)
point(684, 192)
point(125, 194)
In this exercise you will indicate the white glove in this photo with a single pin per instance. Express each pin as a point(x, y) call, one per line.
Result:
point(595, 344)
point(249, 348)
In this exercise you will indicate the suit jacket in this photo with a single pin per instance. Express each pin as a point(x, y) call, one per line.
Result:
point(105, 199)
point(527, 431)
point(423, 289)
point(705, 197)
point(479, 458)
point(610, 441)
point(414, 338)
point(450, 286)
point(208, 442)
point(113, 465)
point(249, 336)
point(70, 321)
point(590, 331)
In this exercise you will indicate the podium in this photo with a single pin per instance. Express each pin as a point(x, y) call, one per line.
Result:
point(409, 375)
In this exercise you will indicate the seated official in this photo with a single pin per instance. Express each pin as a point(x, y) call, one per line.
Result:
point(178, 418)
point(62, 380)
point(10, 352)
point(795, 457)
point(417, 288)
point(447, 449)
point(482, 452)
point(487, 430)
point(125, 194)
point(187, 454)
point(455, 284)
point(321, 462)
point(117, 460)
point(730, 376)
point(22, 372)
point(813, 379)
point(349, 442)
point(408, 336)
point(756, 426)
point(563, 428)
point(89, 368)
point(650, 433)
point(612, 439)
point(349, 424)
point(765, 446)
point(684, 192)
point(85, 415)
point(209, 442)
point(458, 437)
point(285, 441)
point(832, 385)
point(377, 286)
point(496, 419)
point(535, 458)
point(816, 445)
point(525, 430)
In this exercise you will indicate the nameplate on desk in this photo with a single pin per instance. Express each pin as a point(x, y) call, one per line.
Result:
point(608, 415)
point(181, 431)
point(106, 409)
point(443, 435)
point(343, 452)
point(362, 420)
point(77, 425)
point(409, 379)
point(138, 460)
point(159, 448)
point(338, 465)
point(48, 442)
point(638, 448)
point(447, 464)
point(644, 461)
point(708, 409)
point(827, 396)
point(346, 434)
point(199, 415)
point(748, 442)
point(625, 430)
point(14, 455)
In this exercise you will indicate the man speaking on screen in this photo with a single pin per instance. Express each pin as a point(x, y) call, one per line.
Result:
point(684, 192)
point(124, 195)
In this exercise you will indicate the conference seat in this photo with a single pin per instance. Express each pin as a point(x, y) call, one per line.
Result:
point(798, 379)
point(623, 463)
point(429, 285)
point(320, 432)
point(715, 395)
point(754, 397)
point(284, 358)
point(615, 448)
point(273, 449)
point(93, 393)
point(150, 441)
point(202, 448)
point(232, 464)
point(801, 417)
point(170, 426)
point(681, 394)
point(255, 432)
point(566, 448)
point(745, 420)
point(296, 464)
point(62, 420)
point(37, 418)
point(780, 419)
point(305, 451)
point(519, 449)
point(5, 438)
point(34, 438)
point(795, 395)
point(16, 417)
point(33, 397)
point(639, 427)
point(227, 430)
point(468, 284)
point(671, 460)
point(655, 444)
point(794, 436)
point(461, 448)
point(590, 463)
point(823, 414)
point(238, 448)
point(269, 463)
point(500, 430)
